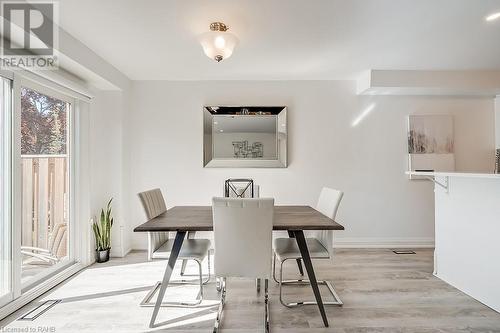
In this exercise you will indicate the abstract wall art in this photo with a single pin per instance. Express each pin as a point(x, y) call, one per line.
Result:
point(243, 150)
point(431, 143)
point(430, 135)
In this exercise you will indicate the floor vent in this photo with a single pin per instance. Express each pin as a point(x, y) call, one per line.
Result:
point(404, 252)
point(39, 310)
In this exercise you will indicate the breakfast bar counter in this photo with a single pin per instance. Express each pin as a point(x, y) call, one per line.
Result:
point(467, 233)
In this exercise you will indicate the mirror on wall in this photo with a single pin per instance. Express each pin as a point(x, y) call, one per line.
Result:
point(245, 136)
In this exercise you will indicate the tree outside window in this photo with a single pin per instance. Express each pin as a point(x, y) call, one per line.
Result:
point(43, 124)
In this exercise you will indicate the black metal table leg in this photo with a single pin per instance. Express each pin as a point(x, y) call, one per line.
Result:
point(299, 262)
point(176, 248)
point(190, 235)
point(301, 242)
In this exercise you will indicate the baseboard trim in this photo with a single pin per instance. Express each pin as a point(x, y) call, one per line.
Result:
point(39, 290)
point(119, 252)
point(369, 242)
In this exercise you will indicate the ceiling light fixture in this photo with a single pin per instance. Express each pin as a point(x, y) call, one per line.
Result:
point(493, 17)
point(218, 43)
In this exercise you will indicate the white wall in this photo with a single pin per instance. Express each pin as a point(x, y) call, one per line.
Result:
point(381, 207)
point(101, 134)
point(105, 138)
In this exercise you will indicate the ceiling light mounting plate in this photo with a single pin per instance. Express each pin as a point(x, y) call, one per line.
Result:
point(218, 26)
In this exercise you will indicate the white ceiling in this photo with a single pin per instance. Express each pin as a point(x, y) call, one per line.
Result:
point(287, 39)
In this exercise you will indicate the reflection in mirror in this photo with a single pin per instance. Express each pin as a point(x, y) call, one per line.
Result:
point(244, 136)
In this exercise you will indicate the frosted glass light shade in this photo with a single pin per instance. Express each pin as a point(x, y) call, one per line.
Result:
point(218, 45)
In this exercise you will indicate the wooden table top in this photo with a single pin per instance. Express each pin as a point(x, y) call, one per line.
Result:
point(199, 218)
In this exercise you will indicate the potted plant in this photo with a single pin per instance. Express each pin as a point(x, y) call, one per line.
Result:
point(102, 234)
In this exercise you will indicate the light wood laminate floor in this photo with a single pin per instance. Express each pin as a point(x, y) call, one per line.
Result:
point(382, 292)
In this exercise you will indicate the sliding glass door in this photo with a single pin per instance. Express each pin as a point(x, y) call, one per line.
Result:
point(36, 184)
point(45, 137)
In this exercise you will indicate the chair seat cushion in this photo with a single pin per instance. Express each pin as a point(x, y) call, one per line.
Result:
point(196, 249)
point(287, 248)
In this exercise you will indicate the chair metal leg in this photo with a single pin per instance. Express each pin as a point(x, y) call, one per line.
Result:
point(274, 268)
point(282, 282)
point(218, 319)
point(257, 285)
point(201, 279)
point(208, 259)
point(266, 302)
point(328, 284)
point(183, 281)
point(146, 302)
point(218, 284)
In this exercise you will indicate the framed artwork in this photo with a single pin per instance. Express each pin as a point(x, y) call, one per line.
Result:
point(431, 143)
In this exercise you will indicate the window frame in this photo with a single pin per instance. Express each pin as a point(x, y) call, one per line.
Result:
point(6, 167)
point(45, 87)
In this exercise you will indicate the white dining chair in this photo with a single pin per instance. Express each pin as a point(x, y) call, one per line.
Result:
point(160, 247)
point(233, 188)
point(243, 244)
point(240, 188)
point(319, 243)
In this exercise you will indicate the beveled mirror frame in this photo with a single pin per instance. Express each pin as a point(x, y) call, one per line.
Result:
point(280, 112)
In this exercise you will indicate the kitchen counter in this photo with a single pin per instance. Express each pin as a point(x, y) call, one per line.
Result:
point(467, 233)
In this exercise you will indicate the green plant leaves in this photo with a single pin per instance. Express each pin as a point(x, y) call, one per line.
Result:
point(102, 229)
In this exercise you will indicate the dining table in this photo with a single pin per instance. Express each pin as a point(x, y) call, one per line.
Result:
point(293, 219)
